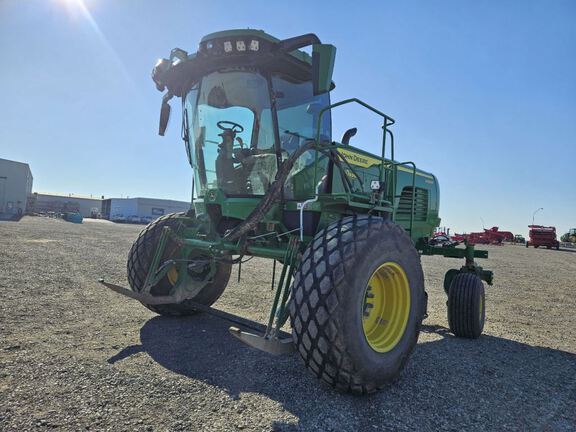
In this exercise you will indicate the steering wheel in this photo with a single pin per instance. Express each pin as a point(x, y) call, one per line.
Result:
point(236, 128)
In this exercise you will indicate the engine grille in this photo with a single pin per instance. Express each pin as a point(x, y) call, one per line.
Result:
point(420, 204)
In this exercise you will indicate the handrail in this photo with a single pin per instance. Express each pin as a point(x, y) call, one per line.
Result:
point(393, 166)
point(347, 101)
point(388, 121)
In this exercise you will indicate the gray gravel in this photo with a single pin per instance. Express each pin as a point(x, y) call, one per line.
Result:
point(74, 356)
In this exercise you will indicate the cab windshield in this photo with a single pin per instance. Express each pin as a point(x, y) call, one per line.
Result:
point(232, 136)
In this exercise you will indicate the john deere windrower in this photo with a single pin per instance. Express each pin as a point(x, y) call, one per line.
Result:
point(347, 226)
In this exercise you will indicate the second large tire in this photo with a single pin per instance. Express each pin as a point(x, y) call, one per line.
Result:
point(354, 263)
point(140, 259)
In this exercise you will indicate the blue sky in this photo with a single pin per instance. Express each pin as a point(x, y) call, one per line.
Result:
point(483, 92)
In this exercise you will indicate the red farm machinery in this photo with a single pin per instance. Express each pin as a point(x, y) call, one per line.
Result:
point(542, 236)
point(489, 236)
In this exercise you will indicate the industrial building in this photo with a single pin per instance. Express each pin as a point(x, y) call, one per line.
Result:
point(17, 198)
point(140, 210)
point(62, 203)
point(137, 210)
point(15, 187)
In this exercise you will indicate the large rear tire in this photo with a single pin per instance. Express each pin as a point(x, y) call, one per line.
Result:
point(140, 259)
point(357, 303)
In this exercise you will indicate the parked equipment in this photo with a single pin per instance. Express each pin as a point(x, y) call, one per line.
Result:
point(488, 236)
point(441, 237)
point(347, 225)
point(519, 238)
point(74, 217)
point(542, 236)
point(570, 236)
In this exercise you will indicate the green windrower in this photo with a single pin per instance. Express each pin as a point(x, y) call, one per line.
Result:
point(270, 181)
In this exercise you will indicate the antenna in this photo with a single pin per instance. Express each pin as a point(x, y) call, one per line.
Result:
point(483, 227)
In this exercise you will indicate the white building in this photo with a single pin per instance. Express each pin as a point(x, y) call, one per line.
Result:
point(15, 187)
point(140, 209)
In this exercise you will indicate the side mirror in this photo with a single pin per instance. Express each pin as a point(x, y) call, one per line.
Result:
point(164, 117)
point(323, 57)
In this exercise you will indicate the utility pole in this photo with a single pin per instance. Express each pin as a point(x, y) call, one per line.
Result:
point(534, 214)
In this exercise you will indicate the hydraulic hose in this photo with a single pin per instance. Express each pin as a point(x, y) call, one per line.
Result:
point(256, 216)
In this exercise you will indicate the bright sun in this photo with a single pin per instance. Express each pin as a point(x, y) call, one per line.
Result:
point(72, 6)
point(80, 13)
point(72, 2)
point(75, 9)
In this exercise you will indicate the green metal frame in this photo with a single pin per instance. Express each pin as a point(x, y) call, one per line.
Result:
point(279, 310)
point(470, 266)
point(289, 256)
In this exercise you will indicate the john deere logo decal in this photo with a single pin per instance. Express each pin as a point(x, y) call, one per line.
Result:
point(363, 161)
point(359, 159)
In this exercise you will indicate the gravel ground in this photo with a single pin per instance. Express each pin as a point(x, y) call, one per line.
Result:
point(74, 356)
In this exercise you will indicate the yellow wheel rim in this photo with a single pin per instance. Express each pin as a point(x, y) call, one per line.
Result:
point(172, 276)
point(481, 308)
point(386, 307)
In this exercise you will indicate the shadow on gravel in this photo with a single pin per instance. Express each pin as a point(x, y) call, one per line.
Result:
point(10, 219)
point(449, 383)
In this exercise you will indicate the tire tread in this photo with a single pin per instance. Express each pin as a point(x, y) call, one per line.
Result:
point(139, 260)
point(464, 296)
point(316, 299)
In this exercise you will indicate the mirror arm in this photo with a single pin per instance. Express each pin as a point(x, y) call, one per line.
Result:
point(167, 97)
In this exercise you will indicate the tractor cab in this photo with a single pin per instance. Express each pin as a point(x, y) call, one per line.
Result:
point(249, 102)
point(241, 125)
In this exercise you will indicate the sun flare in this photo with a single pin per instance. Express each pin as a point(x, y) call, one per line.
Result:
point(80, 13)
